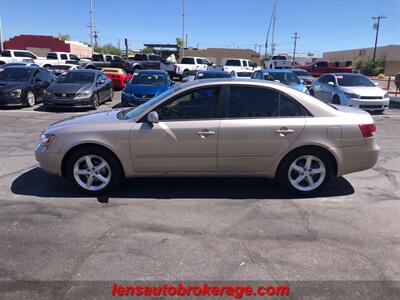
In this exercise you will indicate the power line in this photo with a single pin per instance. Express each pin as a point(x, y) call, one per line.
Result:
point(296, 36)
point(376, 26)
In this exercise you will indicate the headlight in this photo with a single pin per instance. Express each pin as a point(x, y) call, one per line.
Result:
point(16, 92)
point(46, 139)
point(351, 95)
point(84, 94)
point(386, 95)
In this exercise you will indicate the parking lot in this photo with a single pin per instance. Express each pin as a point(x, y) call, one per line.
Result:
point(194, 229)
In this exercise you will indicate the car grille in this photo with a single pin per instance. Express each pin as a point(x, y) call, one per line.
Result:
point(144, 96)
point(370, 106)
point(64, 95)
point(371, 97)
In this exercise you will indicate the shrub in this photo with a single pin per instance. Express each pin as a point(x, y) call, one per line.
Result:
point(381, 75)
point(369, 67)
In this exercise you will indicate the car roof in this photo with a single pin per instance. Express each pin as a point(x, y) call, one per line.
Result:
point(86, 71)
point(277, 70)
point(212, 72)
point(22, 67)
point(344, 73)
point(162, 72)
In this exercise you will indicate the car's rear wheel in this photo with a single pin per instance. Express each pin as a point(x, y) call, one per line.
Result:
point(305, 172)
point(30, 99)
point(93, 171)
point(185, 73)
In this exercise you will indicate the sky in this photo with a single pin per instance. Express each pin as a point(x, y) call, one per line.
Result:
point(323, 25)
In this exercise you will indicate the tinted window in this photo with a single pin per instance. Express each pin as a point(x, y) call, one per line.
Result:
point(301, 73)
point(283, 77)
point(233, 62)
point(77, 77)
point(72, 56)
point(97, 57)
point(6, 53)
point(51, 55)
point(354, 80)
point(140, 57)
point(323, 79)
point(200, 104)
point(244, 63)
point(188, 60)
point(279, 57)
point(15, 74)
point(109, 58)
point(24, 54)
point(154, 58)
point(244, 74)
point(148, 78)
point(289, 107)
point(251, 102)
point(64, 56)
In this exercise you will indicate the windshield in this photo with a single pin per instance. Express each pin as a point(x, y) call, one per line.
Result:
point(148, 78)
point(15, 74)
point(244, 74)
point(279, 57)
point(354, 80)
point(202, 75)
point(77, 77)
point(129, 114)
point(286, 78)
point(301, 73)
point(61, 67)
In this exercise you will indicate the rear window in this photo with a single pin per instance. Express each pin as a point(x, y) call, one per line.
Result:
point(97, 57)
point(279, 57)
point(6, 53)
point(233, 62)
point(154, 58)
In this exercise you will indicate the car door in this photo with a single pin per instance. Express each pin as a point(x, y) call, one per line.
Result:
point(329, 89)
point(185, 138)
point(39, 84)
point(202, 64)
point(318, 87)
point(259, 125)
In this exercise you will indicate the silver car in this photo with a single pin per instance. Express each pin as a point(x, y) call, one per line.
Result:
point(218, 127)
point(354, 90)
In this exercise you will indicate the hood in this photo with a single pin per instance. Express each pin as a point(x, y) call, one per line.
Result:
point(68, 88)
point(364, 90)
point(8, 86)
point(85, 120)
point(145, 89)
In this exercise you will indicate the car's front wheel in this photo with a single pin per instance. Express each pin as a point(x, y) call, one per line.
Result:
point(93, 171)
point(30, 99)
point(96, 102)
point(305, 172)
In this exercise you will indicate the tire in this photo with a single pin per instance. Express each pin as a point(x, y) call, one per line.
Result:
point(93, 181)
point(312, 93)
point(111, 95)
point(96, 103)
point(30, 99)
point(185, 73)
point(336, 100)
point(294, 168)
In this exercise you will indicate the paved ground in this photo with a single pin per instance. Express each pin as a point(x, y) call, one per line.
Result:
point(194, 229)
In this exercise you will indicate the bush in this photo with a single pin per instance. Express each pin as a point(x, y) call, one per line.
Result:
point(381, 75)
point(368, 66)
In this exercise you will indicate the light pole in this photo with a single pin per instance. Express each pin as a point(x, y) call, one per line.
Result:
point(183, 28)
point(91, 24)
point(296, 36)
point(1, 36)
point(376, 26)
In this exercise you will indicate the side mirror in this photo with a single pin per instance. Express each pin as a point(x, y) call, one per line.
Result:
point(101, 81)
point(172, 82)
point(331, 83)
point(152, 117)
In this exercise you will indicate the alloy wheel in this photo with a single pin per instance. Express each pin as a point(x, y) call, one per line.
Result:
point(92, 173)
point(307, 173)
point(30, 98)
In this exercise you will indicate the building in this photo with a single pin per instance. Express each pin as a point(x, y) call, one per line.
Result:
point(43, 44)
point(389, 53)
point(218, 55)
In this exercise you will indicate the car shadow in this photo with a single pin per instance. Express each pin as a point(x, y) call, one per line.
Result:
point(42, 108)
point(40, 184)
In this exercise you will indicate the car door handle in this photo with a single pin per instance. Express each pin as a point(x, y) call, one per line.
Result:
point(283, 131)
point(204, 133)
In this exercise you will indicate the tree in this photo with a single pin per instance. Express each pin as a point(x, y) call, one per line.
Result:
point(179, 42)
point(64, 37)
point(108, 49)
point(310, 54)
point(148, 50)
point(368, 66)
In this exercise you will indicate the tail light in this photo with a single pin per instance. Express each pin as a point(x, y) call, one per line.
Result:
point(367, 130)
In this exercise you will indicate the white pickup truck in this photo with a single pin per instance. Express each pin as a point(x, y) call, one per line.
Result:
point(278, 62)
point(190, 64)
point(53, 58)
point(233, 65)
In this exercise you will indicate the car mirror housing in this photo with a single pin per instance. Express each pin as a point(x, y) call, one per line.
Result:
point(152, 117)
point(331, 83)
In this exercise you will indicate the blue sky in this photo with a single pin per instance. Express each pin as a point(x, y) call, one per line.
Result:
point(323, 24)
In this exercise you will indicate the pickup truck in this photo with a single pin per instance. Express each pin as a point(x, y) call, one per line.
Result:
point(100, 61)
point(278, 62)
point(321, 67)
point(233, 65)
point(192, 64)
point(143, 61)
point(53, 58)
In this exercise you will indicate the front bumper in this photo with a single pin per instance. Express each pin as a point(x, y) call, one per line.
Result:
point(7, 100)
point(370, 105)
point(48, 161)
point(77, 103)
point(132, 100)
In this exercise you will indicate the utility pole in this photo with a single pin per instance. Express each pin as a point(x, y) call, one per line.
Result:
point(1, 36)
point(186, 41)
point(273, 29)
point(95, 36)
point(296, 36)
point(376, 26)
point(91, 24)
point(183, 28)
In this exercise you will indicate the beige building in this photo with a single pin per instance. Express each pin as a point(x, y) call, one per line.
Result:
point(218, 55)
point(390, 54)
point(79, 49)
